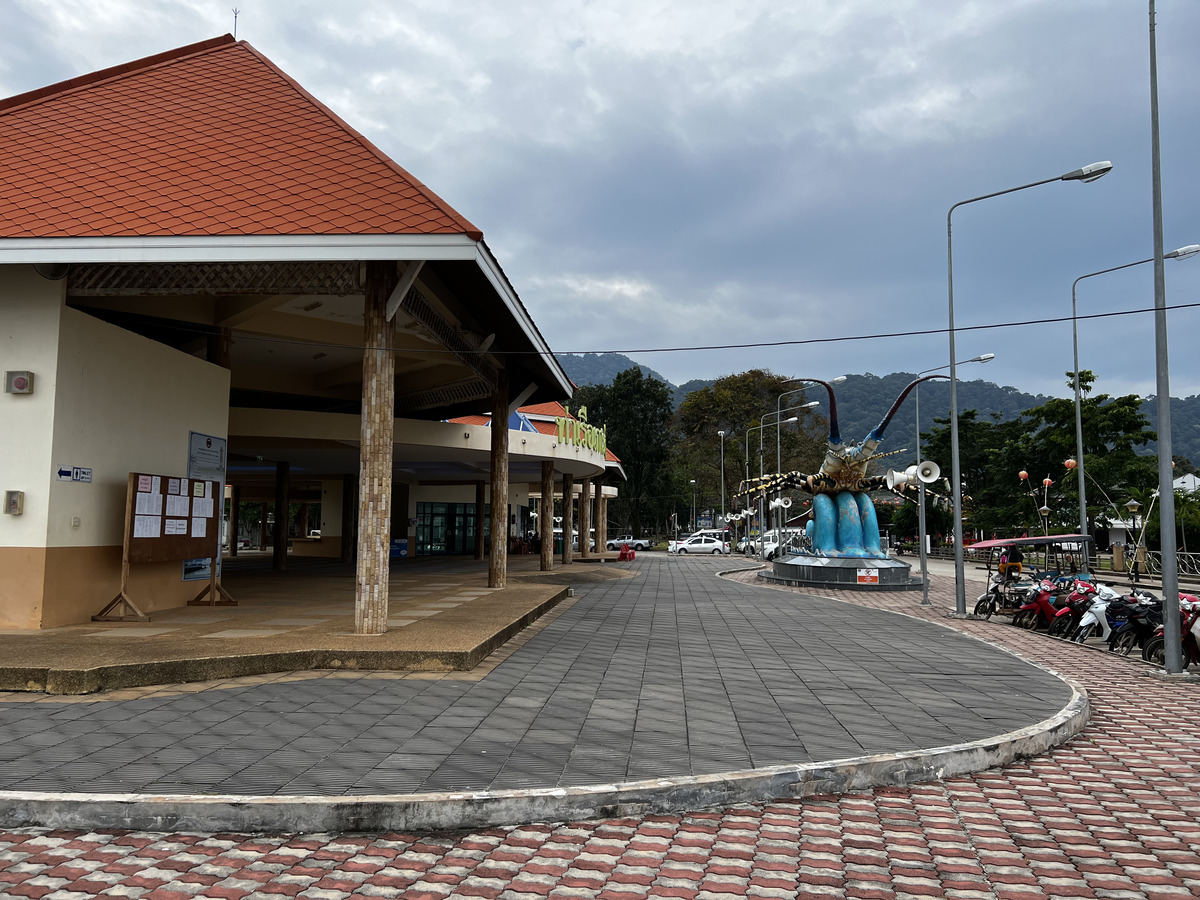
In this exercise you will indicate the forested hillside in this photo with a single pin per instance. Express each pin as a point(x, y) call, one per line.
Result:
point(864, 399)
point(602, 368)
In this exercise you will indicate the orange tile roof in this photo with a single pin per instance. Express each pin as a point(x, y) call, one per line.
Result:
point(553, 408)
point(208, 139)
point(543, 427)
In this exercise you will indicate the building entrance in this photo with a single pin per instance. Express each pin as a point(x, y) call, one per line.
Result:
point(445, 529)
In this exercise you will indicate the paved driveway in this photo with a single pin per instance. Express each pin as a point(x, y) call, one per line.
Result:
point(672, 672)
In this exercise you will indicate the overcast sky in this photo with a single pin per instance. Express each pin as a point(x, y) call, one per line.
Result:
point(656, 175)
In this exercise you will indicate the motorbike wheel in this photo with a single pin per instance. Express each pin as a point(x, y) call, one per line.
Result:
point(1060, 627)
point(1025, 618)
point(985, 606)
point(1124, 641)
point(1155, 651)
point(1083, 633)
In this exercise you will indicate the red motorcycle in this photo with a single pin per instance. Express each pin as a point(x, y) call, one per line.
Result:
point(1038, 608)
point(1189, 625)
point(1070, 614)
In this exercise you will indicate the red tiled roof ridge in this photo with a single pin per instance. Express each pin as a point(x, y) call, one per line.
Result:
point(222, 43)
point(471, 231)
point(118, 71)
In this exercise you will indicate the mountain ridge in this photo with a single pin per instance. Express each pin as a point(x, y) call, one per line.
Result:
point(864, 399)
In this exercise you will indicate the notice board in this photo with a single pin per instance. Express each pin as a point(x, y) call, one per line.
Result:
point(172, 518)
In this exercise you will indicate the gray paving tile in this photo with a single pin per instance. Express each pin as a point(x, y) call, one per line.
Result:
point(673, 672)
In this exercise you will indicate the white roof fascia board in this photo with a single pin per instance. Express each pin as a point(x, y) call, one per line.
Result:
point(500, 284)
point(237, 248)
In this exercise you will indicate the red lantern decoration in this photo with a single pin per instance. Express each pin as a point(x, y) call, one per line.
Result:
point(1046, 482)
point(1070, 463)
point(1023, 475)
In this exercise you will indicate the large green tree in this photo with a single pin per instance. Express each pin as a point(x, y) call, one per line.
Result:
point(1039, 442)
point(737, 405)
point(637, 410)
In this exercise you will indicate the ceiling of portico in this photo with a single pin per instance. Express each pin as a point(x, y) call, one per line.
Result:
point(303, 349)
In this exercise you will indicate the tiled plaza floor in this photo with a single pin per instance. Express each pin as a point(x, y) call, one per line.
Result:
point(674, 672)
point(1115, 813)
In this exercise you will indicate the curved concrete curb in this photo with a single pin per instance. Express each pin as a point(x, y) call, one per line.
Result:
point(470, 810)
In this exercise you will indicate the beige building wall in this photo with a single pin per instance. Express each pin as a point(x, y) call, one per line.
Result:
point(30, 310)
point(108, 400)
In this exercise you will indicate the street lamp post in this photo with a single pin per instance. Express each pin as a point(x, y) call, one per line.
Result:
point(1133, 506)
point(778, 457)
point(1088, 173)
point(1172, 638)
point(1181, 253)
point(693, 505)
point(721, 435)
point(982, 358)
point(761, 512)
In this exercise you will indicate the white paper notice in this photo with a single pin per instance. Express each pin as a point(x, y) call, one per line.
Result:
point(208, 489)
point(177, 505)
point(199, 527)
point(156, 484)
point(147, 526)
point(197, 488)
point(173, 486)
point(176, 526)
point(202, 507)
point(144, 482)
point(149, 505)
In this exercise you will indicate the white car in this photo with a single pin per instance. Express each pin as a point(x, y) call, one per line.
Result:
point(634, 543)
point(700, 543)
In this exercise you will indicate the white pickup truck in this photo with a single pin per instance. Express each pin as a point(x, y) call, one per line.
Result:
point(634, 543)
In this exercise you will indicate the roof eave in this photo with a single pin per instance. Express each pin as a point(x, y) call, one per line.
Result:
point(283, 248)
point(236, 248)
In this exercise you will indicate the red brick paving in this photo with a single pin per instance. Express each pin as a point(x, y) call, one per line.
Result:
point(1114, 814)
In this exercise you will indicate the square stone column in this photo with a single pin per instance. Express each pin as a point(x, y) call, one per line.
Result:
point(585, 519)
point(498, 563)
point(375, 453)
point(546, 516)
point(568, 516)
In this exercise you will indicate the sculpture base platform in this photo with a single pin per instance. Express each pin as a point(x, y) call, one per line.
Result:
point(842, 574)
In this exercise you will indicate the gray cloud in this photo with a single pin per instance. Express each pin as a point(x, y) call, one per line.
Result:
point(664, 174)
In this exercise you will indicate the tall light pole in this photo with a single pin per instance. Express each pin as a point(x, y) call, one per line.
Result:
point(1181, 253)
point(982, 358)
point(759, 427)
point(779, 425)
point(693, 505)
point(778, 456)
point(1088, 173)
point(721, 435)
point(1172, 639)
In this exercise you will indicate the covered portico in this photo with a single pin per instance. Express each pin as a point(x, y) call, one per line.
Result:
point(326, 310)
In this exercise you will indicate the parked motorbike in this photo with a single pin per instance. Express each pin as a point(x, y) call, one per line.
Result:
point(1139, 614)
point(1072, 610)
point(1000, 595)
point(1038, 608)
point(1154, 650)
point(1095, 619)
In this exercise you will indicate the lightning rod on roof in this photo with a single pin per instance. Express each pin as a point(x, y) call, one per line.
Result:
point(235, 15)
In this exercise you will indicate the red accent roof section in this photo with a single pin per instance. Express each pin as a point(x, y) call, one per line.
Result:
point(553, 408)
point(209, 139)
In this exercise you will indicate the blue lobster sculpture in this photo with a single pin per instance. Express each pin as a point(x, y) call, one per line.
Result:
point(843, 522)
